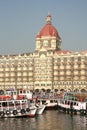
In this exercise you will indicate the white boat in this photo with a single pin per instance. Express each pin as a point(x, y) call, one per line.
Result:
point(15, 94)
point(24, 93)
point(40, 108)
point(72, 106)
point(70, 103)
point(51, 103)
point(16, 108)
point(32, 109)
point(8, 94)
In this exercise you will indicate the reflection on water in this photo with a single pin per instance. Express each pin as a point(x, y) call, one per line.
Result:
point(49, 120)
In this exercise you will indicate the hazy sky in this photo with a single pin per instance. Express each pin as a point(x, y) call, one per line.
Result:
point(21, 20)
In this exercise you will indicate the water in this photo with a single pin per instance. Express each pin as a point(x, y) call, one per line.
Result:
point(49, 120)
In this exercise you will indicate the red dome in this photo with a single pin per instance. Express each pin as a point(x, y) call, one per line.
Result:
point(49, 30)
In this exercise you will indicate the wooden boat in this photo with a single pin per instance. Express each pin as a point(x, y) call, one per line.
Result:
point(32, 108)
point(16, 108)
point(50, 103)
point(32, 111)
point(24, 93)
point(5, 95)
point(15, 94)
point(71, 103)
point(40, 108)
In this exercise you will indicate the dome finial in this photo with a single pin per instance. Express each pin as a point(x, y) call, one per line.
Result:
point(48, 13)
point(48, 18)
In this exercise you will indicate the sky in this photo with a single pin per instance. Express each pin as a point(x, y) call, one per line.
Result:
point(21, 20)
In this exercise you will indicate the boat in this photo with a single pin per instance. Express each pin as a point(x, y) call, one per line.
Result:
point(49, 98)
point(17, 108)
point(50, 103)
point(15, 94)
point(40, 108)
point(32, 108)
point(24, 93)
point(73, 103)
point(5, 95)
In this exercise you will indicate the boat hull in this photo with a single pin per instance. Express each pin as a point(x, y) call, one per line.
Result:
point(40, 109)
point(17, 108)
point(32, 111)
point(72, 107)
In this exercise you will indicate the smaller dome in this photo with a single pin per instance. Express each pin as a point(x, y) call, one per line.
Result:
point(49, 30)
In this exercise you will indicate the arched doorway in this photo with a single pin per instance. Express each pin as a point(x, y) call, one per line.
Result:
point(76, 90)
point(36, 90)
point(43, 90)
point(62, 90)
point(48, 90)
point(56, 90)
point(83, 90)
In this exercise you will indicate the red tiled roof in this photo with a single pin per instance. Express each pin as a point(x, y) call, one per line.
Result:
point(63, 52)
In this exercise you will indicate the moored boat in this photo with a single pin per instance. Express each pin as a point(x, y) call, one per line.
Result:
point(40, 108)
point(5, 95)
point(32, 109)
point(50, 103)
point(15, 94)
point(24, 93)
point(73, 103)
point(16, 108)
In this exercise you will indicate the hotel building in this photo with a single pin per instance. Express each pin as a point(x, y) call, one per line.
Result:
point(48, 67)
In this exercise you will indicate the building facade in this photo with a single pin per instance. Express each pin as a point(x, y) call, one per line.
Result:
point(48, 67)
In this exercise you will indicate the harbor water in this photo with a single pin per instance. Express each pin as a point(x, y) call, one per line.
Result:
point(49, 120)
